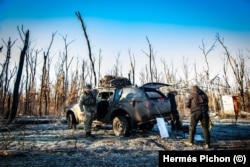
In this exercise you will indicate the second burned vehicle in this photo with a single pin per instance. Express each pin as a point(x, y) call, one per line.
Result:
point(126, 107)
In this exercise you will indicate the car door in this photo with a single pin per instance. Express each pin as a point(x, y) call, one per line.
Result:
point(132, 100)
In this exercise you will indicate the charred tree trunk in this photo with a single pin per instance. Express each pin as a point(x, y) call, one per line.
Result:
point(18, 79)
point(45, 89)
point(152, 73)
point(5, 79)
point(150, 60)
point(32, 61)
point(132, 64)
point(26, 108)
point(43, 85)
point(73, 90)
point(88, 43)
point(67, 66)
point(99, 64)
point(85, 73)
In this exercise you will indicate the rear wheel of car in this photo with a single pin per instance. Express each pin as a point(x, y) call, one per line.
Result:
point(121, 126)
point(71, 121)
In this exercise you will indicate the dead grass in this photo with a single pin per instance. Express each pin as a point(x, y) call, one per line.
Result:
point(53, 144)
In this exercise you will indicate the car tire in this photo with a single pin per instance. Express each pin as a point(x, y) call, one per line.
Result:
point(71, 121)
point(121, 126)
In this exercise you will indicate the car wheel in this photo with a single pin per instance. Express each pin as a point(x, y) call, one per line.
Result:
point(121, 126)
point(71, 121)
point(146, 126)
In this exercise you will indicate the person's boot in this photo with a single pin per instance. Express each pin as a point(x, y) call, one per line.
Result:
point(89, 135)
point(207, 146)
point(188, 143)
point(179, 125)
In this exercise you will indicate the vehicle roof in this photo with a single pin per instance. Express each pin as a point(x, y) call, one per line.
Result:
point(149, 85)
point(154, 85)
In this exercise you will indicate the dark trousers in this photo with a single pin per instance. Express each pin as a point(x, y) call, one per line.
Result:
point(89, 116)
point(175, 120)
point(203, 117)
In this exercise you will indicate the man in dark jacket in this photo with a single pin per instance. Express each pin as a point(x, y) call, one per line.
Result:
point(175, 118)
point(198, 104)
point(87, 105)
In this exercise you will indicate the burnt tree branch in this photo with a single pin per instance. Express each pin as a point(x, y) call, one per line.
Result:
point(18, 79)
point(88, 43)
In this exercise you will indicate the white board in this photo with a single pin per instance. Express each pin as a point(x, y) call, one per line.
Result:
point(227, 104)
point(162, 127)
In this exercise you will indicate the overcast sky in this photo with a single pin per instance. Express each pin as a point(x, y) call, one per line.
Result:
point(175, 28)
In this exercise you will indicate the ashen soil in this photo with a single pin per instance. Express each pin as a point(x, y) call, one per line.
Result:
point(49, 143)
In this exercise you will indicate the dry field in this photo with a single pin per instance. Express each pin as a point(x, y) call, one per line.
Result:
point(48, 142)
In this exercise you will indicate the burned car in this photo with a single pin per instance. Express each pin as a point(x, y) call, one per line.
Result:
point(126, 108)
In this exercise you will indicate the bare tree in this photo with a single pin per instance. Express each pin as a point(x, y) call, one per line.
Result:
point(7, 95)
point(30, 90)
point(225, 76)
point(85, 73)
point(198, 76)
point(67, 64)
point(117, 65)
point(165, 69)
point(205, 53)
point(150, 55)
point(156, 75)
point(88, 43)
point(144, 75)
point(91, 71)
point(32, 87)
point(238, 67)
point(169, 71)
point(26, 108)
point(5, 76)
point(99, 65)
point(45, 91)
point(72, 98)
point(186, 70)
point(132, 65)
point(59, 84)
point(19, 74)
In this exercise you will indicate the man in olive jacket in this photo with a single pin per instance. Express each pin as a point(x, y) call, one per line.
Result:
point(87, 105)
point(198, 104)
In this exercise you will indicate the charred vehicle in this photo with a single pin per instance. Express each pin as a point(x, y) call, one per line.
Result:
point(125, 108)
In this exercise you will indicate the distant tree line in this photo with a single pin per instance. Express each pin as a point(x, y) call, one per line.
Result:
point(48, 97)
